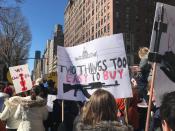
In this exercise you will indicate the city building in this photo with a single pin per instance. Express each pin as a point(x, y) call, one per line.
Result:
point(36, 69)
point(49, 64)
point(85, 20)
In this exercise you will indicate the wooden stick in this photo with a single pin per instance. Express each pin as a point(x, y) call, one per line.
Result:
point(126, 111)
point(150, 98)
point(62, 118)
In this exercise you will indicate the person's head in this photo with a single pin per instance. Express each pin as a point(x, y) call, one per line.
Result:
point(143, 51)
point(101, 107)
point(35, 91)
point(167, 112)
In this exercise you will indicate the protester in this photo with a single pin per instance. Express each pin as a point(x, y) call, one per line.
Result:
point(133, 114)
point(70, 112)
point(9, 89)
point(100, 114)
point(167, 112)
point(3, 97)
point(145, 68)
point(32, 112)
point(8, 113)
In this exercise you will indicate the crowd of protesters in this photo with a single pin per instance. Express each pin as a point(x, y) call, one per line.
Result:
point(102, 112)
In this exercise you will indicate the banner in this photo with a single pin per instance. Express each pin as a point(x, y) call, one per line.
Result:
point(165, 72)
point(84, 68)
point(21, 78)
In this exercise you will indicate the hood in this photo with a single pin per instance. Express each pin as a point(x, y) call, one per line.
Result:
point(25, 102)
point(104, 126)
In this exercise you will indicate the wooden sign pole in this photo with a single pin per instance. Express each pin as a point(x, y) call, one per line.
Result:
point(150, 98)
point(62, 118)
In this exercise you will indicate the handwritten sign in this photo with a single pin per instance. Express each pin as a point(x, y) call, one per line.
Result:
point(164, 83)
point(84, 68)
point(21, 78)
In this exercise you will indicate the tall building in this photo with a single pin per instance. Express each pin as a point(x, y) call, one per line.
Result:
point(86, 20)
point(50, 53)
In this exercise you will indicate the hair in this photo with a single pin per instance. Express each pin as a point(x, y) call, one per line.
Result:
point(36, 90)
point(101, 107)
point(167, 109)
point(143, 51)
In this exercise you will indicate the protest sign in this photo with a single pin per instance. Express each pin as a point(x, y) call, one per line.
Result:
point(50, 99)
point(88, 66)
point(165, 71)
point(21, 78)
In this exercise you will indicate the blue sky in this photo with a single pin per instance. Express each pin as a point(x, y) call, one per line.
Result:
point(42, 15)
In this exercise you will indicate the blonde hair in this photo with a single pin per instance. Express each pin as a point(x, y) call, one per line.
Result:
point(143, 51)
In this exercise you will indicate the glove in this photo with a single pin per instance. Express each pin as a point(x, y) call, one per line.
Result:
point(169, 65)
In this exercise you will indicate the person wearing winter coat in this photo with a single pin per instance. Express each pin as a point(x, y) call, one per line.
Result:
point(8, 113)
point(100, 114)
point(32, 116)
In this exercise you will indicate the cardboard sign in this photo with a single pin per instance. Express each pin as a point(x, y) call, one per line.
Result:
point(84, 68)
point(21, 78)
point(164, 83)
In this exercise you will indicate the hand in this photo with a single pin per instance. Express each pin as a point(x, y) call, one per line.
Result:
point(133, 82)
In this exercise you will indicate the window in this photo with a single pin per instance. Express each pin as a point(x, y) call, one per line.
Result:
point(104, 29)
point(117, 14)
point(108, 6)
point(92, 12)
point(104, 18)
point(92, 29)
point(101, 12)
point(108, 27)
point(104, 9)
point(99, 33)
point(102, 21)
point(108, 16)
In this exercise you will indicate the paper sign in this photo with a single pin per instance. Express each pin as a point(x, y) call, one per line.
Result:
point(87, 66)
point(50, 99)
point(163, 83)
point(21, 78)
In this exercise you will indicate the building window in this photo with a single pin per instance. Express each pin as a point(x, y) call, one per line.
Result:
point(117, 14)
point(101, 12)
point(104, 29)
point(108, 5)
point(92, 29)
point(98, 23)
point(104, 18)
point(102, 21)
point(92, 37)
point(108, 27)
point(104, 9)
point(108, 16)
point(99, 33)
point(92, 12)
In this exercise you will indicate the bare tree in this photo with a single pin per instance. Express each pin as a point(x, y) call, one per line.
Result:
point(15, 37)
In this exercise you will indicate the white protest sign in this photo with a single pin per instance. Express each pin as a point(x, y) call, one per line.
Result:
point(163, 83)
point(21, 78)
point(89, 65)
point(50, 99)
